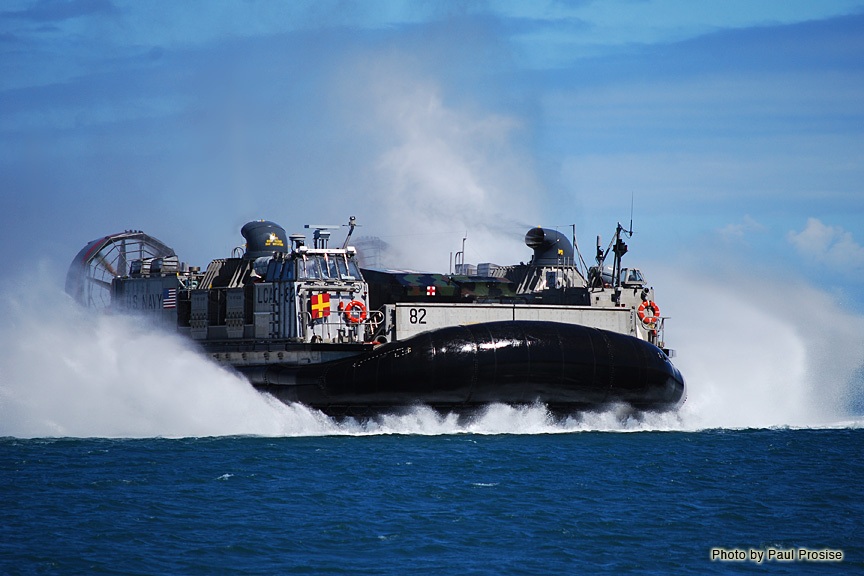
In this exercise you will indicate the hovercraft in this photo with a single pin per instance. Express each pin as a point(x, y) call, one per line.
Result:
point(309, 324)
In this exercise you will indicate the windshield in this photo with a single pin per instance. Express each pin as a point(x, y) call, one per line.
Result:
point(327, 267)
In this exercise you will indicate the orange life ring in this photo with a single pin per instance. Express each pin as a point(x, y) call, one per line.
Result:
point(350, 317)
point(649, 305)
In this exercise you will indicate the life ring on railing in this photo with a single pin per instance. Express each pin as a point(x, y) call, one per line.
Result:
point(351, 317)
point(652, 306)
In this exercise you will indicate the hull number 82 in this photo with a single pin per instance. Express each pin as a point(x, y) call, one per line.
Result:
point(417, 316)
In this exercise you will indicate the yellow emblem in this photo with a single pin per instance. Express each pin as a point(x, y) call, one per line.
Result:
point(274, 240)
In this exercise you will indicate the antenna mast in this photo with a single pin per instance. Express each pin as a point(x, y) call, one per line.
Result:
point(352, 223)
point(630, 232)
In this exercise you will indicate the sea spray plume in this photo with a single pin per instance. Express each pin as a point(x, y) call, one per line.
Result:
point(67, 371)
point(439, 171)
point(756, 356)
point(506, 419)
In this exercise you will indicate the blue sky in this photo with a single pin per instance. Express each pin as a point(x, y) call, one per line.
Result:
point(737, 128)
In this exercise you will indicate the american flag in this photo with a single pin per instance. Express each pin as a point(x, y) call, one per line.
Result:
point(169, 298)
point(430, 290)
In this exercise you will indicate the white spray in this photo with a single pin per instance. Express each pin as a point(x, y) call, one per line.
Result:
point(757, 354)
point(439, 171)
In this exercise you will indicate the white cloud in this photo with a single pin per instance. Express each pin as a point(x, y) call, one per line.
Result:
point(737, 230)
point(831, 245)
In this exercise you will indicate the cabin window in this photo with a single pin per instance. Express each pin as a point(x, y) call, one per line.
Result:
point(330, 266)
point(348, 269)
point(354, 272)
point(342, 264)
point(307, 269)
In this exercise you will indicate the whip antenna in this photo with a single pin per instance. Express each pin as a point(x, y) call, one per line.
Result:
point(630, 231)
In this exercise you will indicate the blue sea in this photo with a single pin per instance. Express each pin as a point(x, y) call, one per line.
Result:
point(577, 502)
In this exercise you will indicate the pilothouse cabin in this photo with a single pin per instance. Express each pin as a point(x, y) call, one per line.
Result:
point(277, 289)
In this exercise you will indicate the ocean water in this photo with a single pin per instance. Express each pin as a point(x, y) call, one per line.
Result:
point(123, 451)
point(644, 502)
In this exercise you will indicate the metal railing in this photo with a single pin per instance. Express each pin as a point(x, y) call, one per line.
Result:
point(337, 327)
